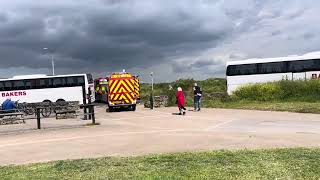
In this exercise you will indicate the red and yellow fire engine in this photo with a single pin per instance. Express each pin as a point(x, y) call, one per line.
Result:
point(101, 90)
point(123, 91)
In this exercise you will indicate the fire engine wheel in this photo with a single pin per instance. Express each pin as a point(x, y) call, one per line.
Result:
point(110, 109)
point(133, 108)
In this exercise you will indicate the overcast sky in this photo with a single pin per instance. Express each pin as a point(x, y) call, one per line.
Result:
point(173, 38)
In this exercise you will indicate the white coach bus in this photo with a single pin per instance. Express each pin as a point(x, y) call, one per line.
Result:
point(40, 88)
point(249, 71)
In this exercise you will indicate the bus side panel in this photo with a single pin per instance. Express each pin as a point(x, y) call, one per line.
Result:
point(39, 95)
point(313, 75)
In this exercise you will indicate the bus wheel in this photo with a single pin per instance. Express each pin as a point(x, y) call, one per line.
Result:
point(61, 102)
point(27, 109)
point(46, 112)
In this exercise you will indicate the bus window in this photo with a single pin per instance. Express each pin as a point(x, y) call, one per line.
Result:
point(45, 83)
point(30, 84)
point(2, 86)
point(80, 80)
point(90, 79)
point(274, 67)
point(59, 82)
point(7, 85)
point(71, 81)
point(244, 69)
point(18, 85)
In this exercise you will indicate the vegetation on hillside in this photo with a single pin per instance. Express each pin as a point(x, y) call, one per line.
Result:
point(241, 164)
point(295, 96)
point(209, 86)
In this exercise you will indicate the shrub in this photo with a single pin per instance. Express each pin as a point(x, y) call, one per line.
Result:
point(300, 90)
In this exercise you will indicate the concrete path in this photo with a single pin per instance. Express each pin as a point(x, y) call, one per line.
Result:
point(159, 131)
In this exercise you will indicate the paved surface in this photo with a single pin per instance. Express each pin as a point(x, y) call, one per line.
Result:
point(159, 131)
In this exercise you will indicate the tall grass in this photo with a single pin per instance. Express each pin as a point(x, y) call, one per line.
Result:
point(285, 90)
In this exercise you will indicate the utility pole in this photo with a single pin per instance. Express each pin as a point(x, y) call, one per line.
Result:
point(52, 61)
point(151, 96)
point(52, 64)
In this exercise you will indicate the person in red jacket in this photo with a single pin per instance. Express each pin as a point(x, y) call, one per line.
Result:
point(180, 101)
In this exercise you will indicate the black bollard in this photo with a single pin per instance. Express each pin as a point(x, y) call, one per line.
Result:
point(92, 114)
point(151, 101)
point(85, 113)
point(38, 118)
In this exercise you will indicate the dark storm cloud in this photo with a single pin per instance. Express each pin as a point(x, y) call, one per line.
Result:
point(110, 34)
point(3, 18)
point(197, 65)
point(203, 63)
point(101, 36)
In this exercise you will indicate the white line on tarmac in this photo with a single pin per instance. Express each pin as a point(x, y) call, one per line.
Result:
point(92, 136)
point(113, 134)
point(218, 125)
point(139, 117)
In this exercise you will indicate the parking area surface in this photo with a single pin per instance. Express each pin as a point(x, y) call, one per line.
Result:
point(159, 131)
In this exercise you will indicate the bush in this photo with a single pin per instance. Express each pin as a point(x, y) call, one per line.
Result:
point(284, 90)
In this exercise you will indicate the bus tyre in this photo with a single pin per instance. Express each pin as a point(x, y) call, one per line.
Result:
point(46, 112)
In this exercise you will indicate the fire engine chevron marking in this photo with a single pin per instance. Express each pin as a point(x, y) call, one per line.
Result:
point(123, 90)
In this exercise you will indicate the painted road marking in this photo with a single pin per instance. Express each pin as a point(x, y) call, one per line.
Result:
point(115, 134)
point(92, 136)
point(211, 128)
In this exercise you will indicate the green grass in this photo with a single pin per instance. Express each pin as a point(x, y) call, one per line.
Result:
point(241, 164)
point(293, 106)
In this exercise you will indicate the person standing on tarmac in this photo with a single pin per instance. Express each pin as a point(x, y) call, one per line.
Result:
point(181, 101)
point(197, 97)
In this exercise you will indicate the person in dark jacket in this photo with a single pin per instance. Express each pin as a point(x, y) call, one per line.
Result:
point(197, 97)
point(181, 101)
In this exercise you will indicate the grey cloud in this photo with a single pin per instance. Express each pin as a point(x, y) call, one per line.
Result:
point(295, 14)
point(275, 33)
point(203, 63)
point(308, 35)
point(3, 18)
point(198, 65)
point(103, 36)
point(237, 56)
point(111, 35)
